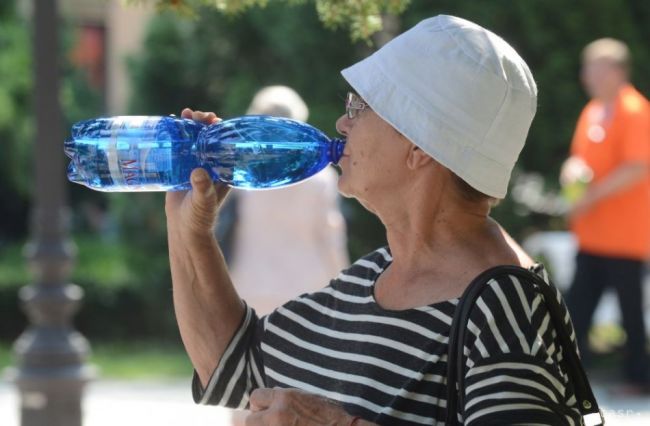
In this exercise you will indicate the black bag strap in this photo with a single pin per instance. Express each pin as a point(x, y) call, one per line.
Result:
point(587, 404)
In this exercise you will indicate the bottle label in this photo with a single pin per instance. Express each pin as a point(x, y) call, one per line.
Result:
point(124, 168)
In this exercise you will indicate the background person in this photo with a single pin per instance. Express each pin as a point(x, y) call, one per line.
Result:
point(612, 218)
point(286, 241)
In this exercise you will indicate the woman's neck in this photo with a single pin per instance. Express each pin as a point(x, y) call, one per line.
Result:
point(442, 223)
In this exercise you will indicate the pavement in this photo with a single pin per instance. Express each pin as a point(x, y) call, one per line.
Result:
point(169, 403)
point(621, 411)
point(126, 403)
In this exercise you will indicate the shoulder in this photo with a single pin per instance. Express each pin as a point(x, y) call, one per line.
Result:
point(344, 294)
point(634, 103)
point(508, 294)
point(522, 258)
point(353, 283)
point(514, 352)
point(371, 264)
point(511, 316)
point(587, 110)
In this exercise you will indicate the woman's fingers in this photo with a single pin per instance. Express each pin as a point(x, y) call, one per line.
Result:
point(202, 184)
point(280, 407)
point(261, 399)
point(207, 117)
point(255, 419)
point(200, 116)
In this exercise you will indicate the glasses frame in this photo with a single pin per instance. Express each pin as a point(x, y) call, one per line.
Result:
point(354, 105)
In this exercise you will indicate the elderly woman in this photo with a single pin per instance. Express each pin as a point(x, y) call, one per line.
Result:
point(438, 120)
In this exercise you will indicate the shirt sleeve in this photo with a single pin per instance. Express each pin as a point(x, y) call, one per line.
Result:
point(513, 371)
point(240, 369)
point(636, 132)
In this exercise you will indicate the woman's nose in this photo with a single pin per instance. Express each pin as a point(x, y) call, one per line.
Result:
point(343, 125)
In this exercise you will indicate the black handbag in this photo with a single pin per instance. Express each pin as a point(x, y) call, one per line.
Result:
point(587, 404)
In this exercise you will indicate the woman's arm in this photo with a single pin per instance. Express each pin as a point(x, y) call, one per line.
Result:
point(208, 309)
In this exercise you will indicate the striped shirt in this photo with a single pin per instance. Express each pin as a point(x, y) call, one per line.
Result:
point(389, 367)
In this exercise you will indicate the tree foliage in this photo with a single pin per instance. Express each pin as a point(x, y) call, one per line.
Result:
point(17, 124)
point(363, 18)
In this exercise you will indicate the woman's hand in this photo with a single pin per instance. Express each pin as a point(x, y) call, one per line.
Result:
point(283, 407)
point(194, 212)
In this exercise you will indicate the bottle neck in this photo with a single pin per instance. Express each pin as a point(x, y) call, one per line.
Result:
point(336, 149)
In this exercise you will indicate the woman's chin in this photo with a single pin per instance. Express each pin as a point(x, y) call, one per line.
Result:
point(344, 192)
point(343, 188)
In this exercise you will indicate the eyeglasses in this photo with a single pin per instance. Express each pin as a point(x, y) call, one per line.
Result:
point(354, 105)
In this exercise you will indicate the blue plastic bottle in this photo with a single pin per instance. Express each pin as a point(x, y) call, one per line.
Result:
point(139, 153)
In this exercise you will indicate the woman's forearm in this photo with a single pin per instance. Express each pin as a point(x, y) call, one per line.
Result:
point(208, 310)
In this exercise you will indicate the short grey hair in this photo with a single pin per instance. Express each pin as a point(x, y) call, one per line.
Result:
point(280, 101)
point(607, 48)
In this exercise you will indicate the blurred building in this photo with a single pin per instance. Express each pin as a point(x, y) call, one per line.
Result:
point(107, 33)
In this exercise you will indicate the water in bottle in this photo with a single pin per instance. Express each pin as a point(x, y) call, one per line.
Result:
point(134, 153)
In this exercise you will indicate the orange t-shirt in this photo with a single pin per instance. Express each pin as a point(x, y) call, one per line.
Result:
point(619, 225)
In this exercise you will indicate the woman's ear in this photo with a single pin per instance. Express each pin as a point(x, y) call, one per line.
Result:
point(417, 158)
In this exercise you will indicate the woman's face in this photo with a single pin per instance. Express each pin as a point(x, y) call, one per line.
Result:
point(374, 159)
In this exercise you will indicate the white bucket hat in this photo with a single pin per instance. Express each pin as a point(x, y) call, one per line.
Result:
point(456, 90)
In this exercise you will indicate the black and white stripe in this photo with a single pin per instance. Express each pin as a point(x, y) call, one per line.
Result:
point(389, 366)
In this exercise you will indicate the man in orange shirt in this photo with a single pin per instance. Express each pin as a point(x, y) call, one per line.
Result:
point(611, 146)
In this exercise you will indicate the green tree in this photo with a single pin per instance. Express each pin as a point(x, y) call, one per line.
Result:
point(15, 122)
point(362, 17)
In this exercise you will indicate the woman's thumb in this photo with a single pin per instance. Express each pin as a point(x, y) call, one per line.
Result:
point(204, 201)
point(201, 183)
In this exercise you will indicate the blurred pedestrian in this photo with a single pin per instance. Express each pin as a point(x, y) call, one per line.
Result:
point(291, 240)
point(611, 218)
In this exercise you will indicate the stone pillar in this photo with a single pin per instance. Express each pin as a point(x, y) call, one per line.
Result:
point(51, 371)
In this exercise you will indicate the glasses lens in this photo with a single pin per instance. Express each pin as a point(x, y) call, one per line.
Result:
point(352, 104)
point(349, 99)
